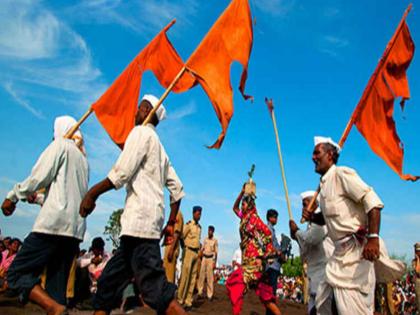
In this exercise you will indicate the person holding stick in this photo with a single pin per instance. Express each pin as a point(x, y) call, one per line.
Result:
point(257, 248)
point(144, 167)
point(315, 247)
point(62, 170)
point(352, 213)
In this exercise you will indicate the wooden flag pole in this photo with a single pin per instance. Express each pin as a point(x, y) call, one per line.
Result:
point(164, 95)
point(269, 103)
point(178, 76)
point(365, 94)
point(71, 132)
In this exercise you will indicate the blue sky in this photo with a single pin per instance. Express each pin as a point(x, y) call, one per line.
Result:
point(313, 58)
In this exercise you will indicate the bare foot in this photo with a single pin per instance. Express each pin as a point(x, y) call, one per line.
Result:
point(57, 310)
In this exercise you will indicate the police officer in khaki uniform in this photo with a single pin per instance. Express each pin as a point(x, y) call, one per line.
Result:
point(210, 248)
point(171, 251)
point(191, 236)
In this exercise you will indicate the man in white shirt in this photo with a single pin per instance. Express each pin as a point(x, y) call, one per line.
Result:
point(315, 248)
point(62, 171)
point(144, 167)
point(352, 212)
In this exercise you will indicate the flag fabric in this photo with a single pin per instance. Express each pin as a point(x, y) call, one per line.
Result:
point(374, 117)
point(230, 39)
point(117, 107)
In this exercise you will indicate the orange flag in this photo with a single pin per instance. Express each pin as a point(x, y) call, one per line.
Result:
point(230, 39)
point(117, 107)
point(374, 115)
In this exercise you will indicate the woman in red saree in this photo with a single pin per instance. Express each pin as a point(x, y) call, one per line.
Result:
point(257, 247)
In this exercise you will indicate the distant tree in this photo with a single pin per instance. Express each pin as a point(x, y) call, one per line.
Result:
point(404, 259)
point(113, 228)
point(293, 267)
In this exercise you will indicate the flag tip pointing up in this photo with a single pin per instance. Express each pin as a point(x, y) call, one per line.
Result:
point(269, 103)
point(167, 27)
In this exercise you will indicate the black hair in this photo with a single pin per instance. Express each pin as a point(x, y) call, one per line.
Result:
point(197, 208)
point(16, 240)
point(211, 227)
point(335, 155)
point(98, 243)
point(272, 213)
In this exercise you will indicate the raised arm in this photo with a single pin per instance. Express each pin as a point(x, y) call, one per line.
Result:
point(237, 203)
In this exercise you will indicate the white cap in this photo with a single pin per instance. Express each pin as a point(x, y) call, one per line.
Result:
point(307, 194)
point(318, 140)
point(310, 194)
point(63, 124)
point(153, 100)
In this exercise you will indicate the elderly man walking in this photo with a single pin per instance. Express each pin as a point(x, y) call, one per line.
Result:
point(315, 248)
point(351, 211)
point(62, 171)
point(144, 168)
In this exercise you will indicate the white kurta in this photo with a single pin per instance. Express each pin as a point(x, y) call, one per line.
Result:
point(63, 171)
point(144, 167)
point(315, 248)
point(345, 201)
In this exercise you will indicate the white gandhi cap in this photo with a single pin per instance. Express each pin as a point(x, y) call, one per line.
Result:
point(309, 194)
point(318, 140)
point(153, 100)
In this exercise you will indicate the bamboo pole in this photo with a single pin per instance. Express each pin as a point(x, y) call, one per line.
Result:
point(164, 95)
point(365, 94)
point(71, 132)
point(269, 103)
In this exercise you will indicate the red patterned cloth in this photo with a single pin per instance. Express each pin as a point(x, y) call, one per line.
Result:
point(256, 246)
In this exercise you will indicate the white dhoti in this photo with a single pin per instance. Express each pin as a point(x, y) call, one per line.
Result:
point(351, 279)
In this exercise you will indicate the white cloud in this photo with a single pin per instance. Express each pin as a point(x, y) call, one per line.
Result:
point(25, 104)
point(336, 41)
point(183, 112)
point(39, 50)
point(332, 45)
point(142, 17)
point(275, 7)
point(26, 35)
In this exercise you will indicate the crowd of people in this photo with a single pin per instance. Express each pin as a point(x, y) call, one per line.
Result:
point(339, 246)
point(404, 295)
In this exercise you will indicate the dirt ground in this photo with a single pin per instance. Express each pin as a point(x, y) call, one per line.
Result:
point(219, 306)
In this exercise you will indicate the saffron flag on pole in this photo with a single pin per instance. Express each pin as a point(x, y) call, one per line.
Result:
point(229, 39)
point(374, 115)
point(117, 107)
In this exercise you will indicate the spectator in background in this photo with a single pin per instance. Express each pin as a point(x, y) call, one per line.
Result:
point(8, 256)
point(416, 268)
point(95, 260)
point(237, 258)
point(6, 242)
point(2, 248)
point(273, 268)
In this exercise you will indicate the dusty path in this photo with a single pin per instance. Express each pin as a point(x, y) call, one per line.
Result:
point(219, 306)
